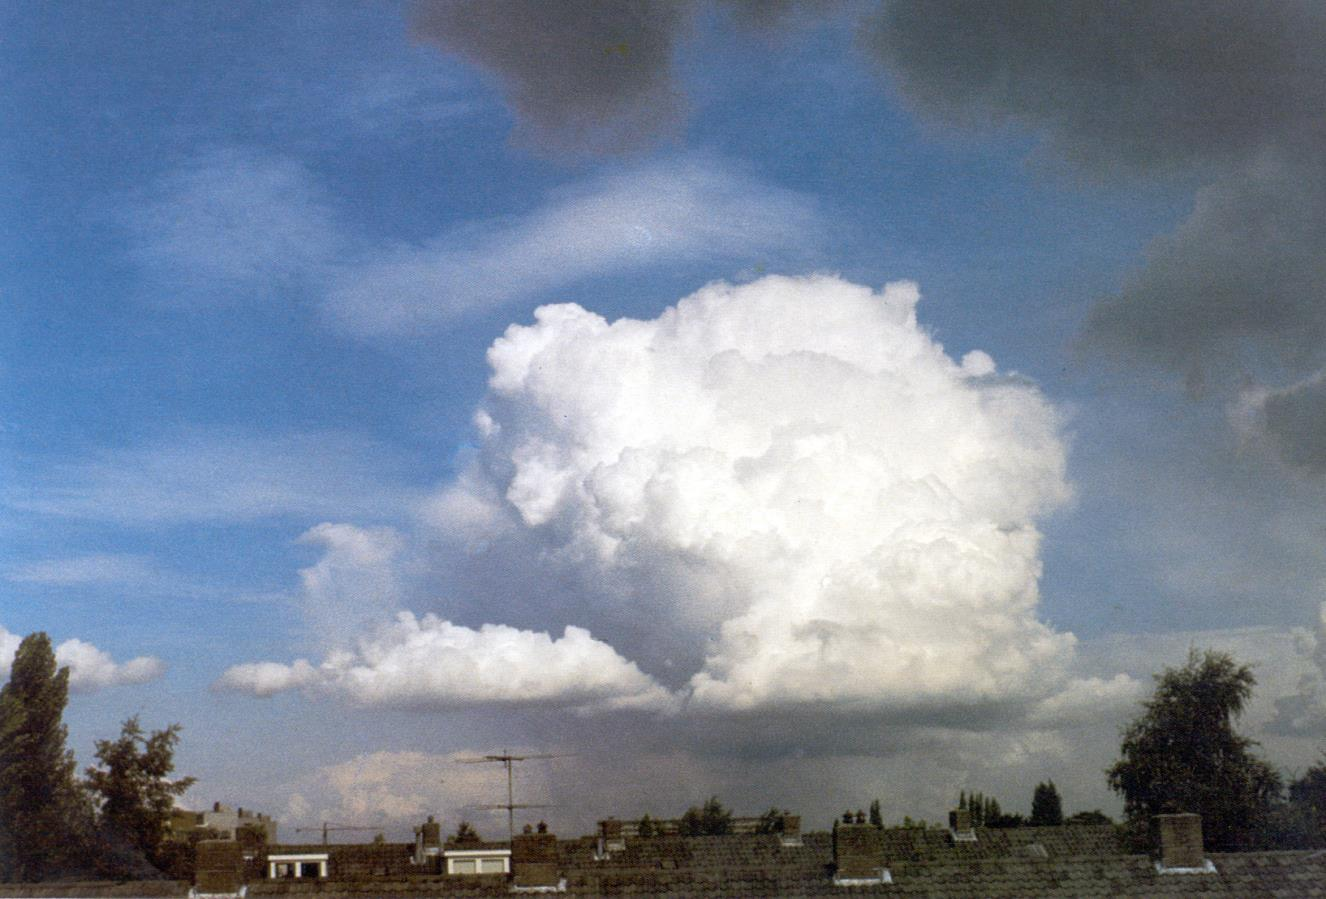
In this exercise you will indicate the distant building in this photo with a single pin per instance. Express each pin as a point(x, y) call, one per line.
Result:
point(221, 822)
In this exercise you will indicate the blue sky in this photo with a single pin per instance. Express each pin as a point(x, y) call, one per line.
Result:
point(256, 257)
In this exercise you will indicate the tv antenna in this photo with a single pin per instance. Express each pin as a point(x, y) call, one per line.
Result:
point(508, 761)
point(329, 826)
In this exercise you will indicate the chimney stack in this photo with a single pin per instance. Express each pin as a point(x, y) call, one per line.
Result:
point(1181, 841)
point(858, 855)
point(959, 826)
point(534, 861)
point(610, 831)
point(790, 831)
point(219, 867)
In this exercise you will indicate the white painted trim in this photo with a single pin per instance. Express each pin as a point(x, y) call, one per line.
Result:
point(1207, 867)
point(297, 859)
point(477, 855)
point(885, 876)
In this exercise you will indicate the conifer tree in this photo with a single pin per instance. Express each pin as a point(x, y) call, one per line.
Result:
point(1046, 807)
point(42, 808)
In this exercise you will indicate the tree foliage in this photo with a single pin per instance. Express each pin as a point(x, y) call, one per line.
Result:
point(44, 818)
point(647, 827)
point(876, 816)
point(1182, 754)
point(1047, 809)
point(711, 819)
point(133, 785)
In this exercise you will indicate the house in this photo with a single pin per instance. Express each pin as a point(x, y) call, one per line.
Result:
point(221, 820)
point(854, 859)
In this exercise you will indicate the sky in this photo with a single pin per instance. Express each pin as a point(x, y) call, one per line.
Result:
point(802, 403)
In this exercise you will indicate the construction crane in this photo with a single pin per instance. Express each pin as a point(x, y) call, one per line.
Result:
point(329, 826)
point(509, 760)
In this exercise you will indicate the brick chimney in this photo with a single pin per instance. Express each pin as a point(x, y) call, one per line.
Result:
point(428, 842)
point(610, 833)
point(219, 867)
point(534, 861)
point(858, 855)
point(959, 826)
point(1181, 842)
point(790, 832)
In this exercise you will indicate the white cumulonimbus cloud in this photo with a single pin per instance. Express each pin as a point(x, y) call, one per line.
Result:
point(866, 504)
point(90, 668)
point(429, 663)
point(790, 476)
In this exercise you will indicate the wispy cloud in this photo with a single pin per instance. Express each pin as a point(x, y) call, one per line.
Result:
point(221, 476)
point(243, 226)
point(97, 568)
point(666, 213)
point(232, 225)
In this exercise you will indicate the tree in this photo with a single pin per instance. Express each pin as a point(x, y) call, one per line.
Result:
point(44, 817)
point(1309, 791)
point(771, 821)
point(1182, 754)
point(712, 819)
point(1047, 810)
point(876, 817)
point(647, 827)
point(1302, 819)
point(132, 783)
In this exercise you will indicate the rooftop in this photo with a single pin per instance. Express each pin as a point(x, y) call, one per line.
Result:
point(1023, 862)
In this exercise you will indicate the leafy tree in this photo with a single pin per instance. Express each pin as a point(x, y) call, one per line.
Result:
point(711, 819)
point(132, 783)
point(178, 858)
point(876, 817)
point(44, 815)
point(771, 821)
point(1309, 791)
point(465, 833)
point(1182, 754)
point(1301, 822)
point(1047, 808)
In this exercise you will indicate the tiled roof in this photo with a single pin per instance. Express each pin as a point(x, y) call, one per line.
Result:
point(1071, 862)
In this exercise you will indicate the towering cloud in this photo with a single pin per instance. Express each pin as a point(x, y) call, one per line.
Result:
point(792, 475)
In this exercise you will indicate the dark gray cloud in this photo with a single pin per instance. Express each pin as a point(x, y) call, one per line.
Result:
point(581, 76)
point(1232, 92)
point(1292, 420)
point(1137, 86)
point(1239, 285)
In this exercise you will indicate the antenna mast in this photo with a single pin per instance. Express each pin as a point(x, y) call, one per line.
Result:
point(508, 761)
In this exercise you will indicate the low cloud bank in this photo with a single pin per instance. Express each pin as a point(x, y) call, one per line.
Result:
point(428, 663)
point(90, 668)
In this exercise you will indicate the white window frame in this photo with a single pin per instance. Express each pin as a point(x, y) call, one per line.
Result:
point(298, 859)
point(479, 856)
